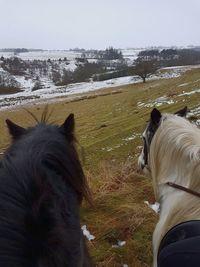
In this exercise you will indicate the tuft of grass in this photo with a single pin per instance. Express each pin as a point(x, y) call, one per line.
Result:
point(120, 214)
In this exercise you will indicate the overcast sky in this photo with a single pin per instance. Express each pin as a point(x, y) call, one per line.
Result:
point(64, 24)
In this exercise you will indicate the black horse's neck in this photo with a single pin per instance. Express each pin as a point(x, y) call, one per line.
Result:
point(41, 186)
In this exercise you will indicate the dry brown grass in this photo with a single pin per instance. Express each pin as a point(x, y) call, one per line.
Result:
point(119, 213)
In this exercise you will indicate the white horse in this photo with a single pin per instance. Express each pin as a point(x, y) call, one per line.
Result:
point(171, 155)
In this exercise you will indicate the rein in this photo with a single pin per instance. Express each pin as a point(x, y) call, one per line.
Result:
point(180, 187)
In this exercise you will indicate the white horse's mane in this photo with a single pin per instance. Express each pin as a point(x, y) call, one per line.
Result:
point(175, 157)
point(175, 151)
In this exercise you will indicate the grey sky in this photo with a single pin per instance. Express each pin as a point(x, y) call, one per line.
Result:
point(64, 24)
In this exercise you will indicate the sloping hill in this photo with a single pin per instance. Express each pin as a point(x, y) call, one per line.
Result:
point(109, 126)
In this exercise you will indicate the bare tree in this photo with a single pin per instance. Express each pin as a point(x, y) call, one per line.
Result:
point(144, 68)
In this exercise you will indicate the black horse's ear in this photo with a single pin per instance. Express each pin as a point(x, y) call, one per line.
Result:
point(68, 127)
point(182, 112)
point(155, 116)
point(15, 130)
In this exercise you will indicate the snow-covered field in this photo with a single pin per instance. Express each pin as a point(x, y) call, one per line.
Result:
point(129, 53)
point(44, 55)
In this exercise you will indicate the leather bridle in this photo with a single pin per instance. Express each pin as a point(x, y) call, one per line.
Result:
point(182, 188)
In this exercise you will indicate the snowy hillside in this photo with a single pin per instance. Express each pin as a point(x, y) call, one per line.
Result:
point(42, 75)
point(50, 91)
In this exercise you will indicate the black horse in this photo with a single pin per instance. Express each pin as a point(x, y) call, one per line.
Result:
point(42, 185)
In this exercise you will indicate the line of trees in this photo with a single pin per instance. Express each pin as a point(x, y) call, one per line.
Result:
point(82, 73)
point(172, 57)
point(149, 61)
point(14, 50)
point(108, 54)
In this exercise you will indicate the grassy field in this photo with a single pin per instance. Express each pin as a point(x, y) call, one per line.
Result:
point(108, 127)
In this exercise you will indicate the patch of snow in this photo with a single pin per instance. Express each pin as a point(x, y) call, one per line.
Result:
point(162, 99)
point(186, 67)
point(108, 149)
point(197, 122)
point(140, 104)
point(172, 72)
point(8, 80)
point(2, 70)
point(119, 244)
point(157, 102)
point(195, 111)
point(71, 66)
point(190, 93)
point(127, 139)
point(87, 234)
point(193, 114)
point(132, 137)
point(44, 55)
point(24, 82)
point(155, 206)
point(92, 60)
point(183, 84)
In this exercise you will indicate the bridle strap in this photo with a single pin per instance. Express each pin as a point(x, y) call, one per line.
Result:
point(180, 187)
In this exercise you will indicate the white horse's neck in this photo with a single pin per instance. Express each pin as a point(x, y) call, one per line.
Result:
point(176, 206)
point(175, 157)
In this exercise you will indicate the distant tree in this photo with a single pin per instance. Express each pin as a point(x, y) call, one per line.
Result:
point(83, 55)
point(38, 85)
point(149, 54)
point(126, 71)
point(82, 73)
point(85, 72)
point(81, 59)
point(20, 50)
point(14, 66)
point(56, 77)
point(168, 54)
point(7, 81)
point(189, 56)
point(67, 77)
point(144, 68)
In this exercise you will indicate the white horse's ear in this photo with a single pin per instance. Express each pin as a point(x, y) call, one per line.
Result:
point(155, 116)
point(15, 130)
point(182, 112)
point(68, 127)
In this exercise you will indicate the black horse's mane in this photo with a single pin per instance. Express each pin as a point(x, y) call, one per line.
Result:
point(41, 186)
